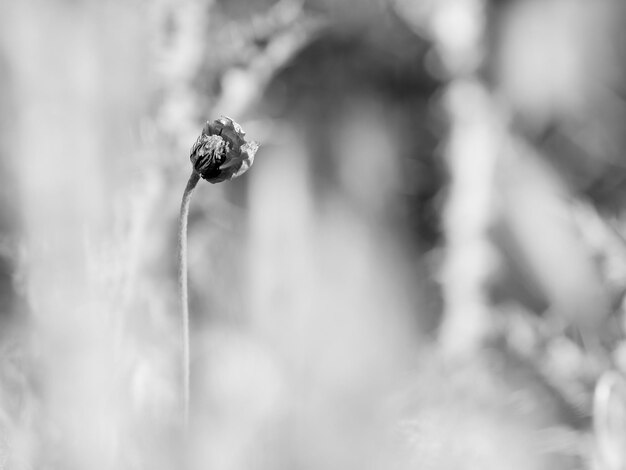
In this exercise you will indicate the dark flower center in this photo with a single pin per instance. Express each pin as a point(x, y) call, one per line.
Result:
point(210, 155)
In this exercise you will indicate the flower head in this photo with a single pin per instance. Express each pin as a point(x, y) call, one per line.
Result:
point(221, 152)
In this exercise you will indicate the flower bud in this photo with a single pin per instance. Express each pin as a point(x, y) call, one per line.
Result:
point(221, 152)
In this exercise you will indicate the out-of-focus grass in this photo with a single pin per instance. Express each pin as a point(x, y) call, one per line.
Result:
point(313, 288)
point(93, 382)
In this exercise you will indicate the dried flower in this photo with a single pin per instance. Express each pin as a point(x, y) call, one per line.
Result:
point(221, 152)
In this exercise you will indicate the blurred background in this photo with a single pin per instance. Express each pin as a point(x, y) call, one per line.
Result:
point(425, 267)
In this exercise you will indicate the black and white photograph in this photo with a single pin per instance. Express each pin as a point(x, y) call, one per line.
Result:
point(312, 234)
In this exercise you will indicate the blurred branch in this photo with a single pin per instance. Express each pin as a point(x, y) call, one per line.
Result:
point(457, 26)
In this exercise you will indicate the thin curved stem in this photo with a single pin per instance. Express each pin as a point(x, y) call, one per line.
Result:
point(183, 289)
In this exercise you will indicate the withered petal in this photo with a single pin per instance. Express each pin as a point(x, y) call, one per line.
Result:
point(235, 156)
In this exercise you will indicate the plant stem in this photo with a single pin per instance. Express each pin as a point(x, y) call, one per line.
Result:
point(183, 288)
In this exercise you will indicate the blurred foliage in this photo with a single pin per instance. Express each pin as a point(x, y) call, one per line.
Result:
point(318, 281)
